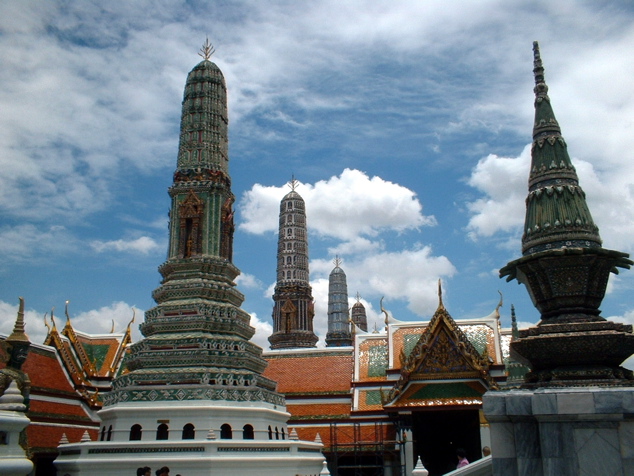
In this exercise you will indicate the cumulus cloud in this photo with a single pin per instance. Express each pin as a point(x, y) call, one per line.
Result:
point(503, 181)
point(263, 330)
point(143, 244)
point(371, 205)
point(248, 281)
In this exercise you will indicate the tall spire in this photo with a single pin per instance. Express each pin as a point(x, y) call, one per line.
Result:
point(557, 214)
point(293, 309)
point(338, 314)
point(197, 334)
point(565, 269)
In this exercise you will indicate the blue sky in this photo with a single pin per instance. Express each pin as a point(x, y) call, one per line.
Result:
point(407, 124)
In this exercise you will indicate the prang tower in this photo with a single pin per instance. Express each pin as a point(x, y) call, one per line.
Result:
point(338, 312)
point(195, 379)
point(293, 308)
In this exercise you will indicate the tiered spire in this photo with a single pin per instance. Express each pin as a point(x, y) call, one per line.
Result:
point(358, 315)
point(338, 313)
point(293, 308)
point(557, 215)
point(197, 335)
point(565, 269)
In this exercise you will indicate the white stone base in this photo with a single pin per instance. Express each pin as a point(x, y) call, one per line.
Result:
point(269, 453)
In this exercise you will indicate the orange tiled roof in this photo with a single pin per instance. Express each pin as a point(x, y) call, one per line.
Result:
point(312, 372)
point(45, 371)
point(318, 410)
point(43, 436)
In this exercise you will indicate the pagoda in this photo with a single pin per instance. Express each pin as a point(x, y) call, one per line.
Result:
point(194, 397)
point(339, 334)
point(293, 309)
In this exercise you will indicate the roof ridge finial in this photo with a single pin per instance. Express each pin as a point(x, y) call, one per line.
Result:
point(66, 312)
point(541, 89)
point(207, 50)
point(440, 303)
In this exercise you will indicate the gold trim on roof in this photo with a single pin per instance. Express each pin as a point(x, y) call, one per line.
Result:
point(443, 352)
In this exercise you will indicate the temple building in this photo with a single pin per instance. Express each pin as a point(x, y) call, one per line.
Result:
point(196, 394)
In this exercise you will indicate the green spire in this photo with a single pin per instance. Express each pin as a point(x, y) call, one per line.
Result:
point(204, 121)
point(557, 215)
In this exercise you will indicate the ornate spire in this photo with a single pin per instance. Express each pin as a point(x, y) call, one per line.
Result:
point(293, 308)
point(557, 215)
point(198, 303)
point(338, 312)
point(19, 334)
point(358, 315)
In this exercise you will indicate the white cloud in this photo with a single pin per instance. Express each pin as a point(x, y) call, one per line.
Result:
point(503, 182)
point(359, 205)
point(262, 331)
point(143, 244)
point(248, 281)
point(27, 242)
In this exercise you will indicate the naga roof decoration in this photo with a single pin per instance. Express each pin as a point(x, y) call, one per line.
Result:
point(443, 352)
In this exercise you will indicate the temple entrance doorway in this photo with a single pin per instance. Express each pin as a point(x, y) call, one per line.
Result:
point(439, 433)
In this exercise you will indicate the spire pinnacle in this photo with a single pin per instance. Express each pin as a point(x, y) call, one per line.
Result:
point(541, 89)
point(207, 50)
point(337, 261)
point(18, 334)
point(358, 297)
point(293, 183)
point(440, 303)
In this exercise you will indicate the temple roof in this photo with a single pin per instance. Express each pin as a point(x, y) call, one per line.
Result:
point(443, 368)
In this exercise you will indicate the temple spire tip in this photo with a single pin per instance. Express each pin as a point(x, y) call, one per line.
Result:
point(207, 50)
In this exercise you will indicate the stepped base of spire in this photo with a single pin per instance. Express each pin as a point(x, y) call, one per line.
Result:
point(575, 354)
point(293, 340)
point(567, 284)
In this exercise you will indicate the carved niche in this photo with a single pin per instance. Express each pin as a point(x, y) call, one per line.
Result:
point(190, 212)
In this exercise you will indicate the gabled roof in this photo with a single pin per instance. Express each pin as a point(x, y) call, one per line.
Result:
point(443, 354)
point(91, 361)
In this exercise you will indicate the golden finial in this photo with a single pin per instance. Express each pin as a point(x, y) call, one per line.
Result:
point(337, 261)
point(53, 318)
point(207, 50)
point(112, 328)
point(48, 328)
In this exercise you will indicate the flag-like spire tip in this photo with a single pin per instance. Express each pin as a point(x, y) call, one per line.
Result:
point(207, 50)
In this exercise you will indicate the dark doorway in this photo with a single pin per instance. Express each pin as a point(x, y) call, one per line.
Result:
point(438, 434)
